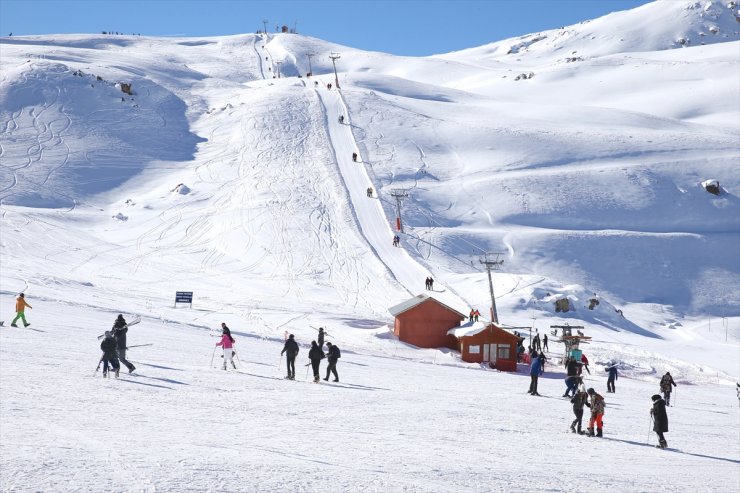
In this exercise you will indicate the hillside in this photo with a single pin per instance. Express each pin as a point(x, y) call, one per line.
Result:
point(580, 154)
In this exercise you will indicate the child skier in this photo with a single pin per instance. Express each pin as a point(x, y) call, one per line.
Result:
point(108, 346)
point(597, 413)
point(660, 417)
point(579, 400)
point(227, 342)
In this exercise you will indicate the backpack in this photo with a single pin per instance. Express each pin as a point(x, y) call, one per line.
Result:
point(337, 353)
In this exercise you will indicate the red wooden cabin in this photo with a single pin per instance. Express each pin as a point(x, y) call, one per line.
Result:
point(424, 321)
point(486, 343)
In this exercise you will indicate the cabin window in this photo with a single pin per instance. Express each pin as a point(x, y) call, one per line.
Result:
point(474, 349)
point(504, 352)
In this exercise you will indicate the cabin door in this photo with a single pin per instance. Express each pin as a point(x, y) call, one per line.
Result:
point(486, 353)
point(494, 353)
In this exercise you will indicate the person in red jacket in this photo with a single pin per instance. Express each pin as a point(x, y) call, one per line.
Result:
point(584, 360)
point(20, 308)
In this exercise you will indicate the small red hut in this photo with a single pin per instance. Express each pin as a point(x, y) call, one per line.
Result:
point(486, 343)
point(424, 321)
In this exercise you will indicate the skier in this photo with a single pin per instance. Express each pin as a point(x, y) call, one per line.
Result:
point(535, 370)
point(572, 368)
point(544, 343)
point(333, 356)
point(20, 308)
point(665, 387)
point(597, 413)
point(119, 333)
point(542, 359)
point(660, 417)
point(613, 375)
point(328, 86)
point(321, 338)
point(476, 314)
point(341, 118)
point(578, 401)
point(369, 191)
point(354, 156)
point(108, 346)
point(472, 315)
point(291, 349)
point(431, 283)
point(584, 360)
point(315, 355)
point(536, 342)
point(396, 240)
point(227, 343)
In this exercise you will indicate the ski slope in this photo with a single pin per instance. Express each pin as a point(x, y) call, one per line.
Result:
point(216, 176)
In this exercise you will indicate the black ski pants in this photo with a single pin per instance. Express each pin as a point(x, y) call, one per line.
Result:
point(533, 384)
point(315, 365)
point(113, 364)
point(290, 361)
point(122, 359)
point(667, 398)
point(610, 385)
point(579, 418)
point(332, 368)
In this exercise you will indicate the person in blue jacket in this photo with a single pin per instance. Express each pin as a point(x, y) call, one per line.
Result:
point(613, 375)
point(535, 371)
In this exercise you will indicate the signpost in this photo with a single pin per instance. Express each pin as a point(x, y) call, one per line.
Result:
point(184, 297)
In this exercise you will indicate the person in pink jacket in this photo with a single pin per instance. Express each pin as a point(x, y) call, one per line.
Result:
point(227, 342)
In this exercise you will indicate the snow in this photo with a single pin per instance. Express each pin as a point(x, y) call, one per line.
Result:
point(214, 177)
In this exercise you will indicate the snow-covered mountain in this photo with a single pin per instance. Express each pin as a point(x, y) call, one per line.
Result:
point(581, 154)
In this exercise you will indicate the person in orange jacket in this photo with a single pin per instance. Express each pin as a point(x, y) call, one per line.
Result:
point(20, 308)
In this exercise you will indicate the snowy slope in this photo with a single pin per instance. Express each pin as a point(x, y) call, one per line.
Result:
point(217, 177)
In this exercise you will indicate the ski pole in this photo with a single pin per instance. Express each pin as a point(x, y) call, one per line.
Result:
point(213, 355)
point(280, 362)
point(305, 379)
point(98, 368)
point(674, 396)
point(650, 427)
point(237, 358)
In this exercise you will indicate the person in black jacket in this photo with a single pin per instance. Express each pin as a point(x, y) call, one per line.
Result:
point(291, 351)
point(660, 417)
point(315, 355)
point(333, 356)
point(579, 400)
point(572, 368)
point(321, 338)
point(120, 328)
point(108, 346)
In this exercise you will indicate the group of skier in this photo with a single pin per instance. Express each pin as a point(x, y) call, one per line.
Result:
point(114, 348)
point(429, 283)
point(315, 355)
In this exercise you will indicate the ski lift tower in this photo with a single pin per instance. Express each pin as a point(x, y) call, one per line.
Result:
point(572, 342)
point(496, 265)
point(334, 57)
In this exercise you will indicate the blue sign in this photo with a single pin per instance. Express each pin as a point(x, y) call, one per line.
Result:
point(184, 297)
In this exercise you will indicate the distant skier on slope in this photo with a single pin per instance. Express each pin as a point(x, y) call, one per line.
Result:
point(108, 346)
point(341, 118)
point(597, 413)
point(227, 343)
point(535, 370)
point(291, 351)
point(354, 156)
point(660, 417)
point(315, 355)
point(333, 357)
point(120, 328)
point(666, 386)
point(20, 308)
point(579, 400)
point(613, 375)
point(369, 191)
point(544, 343)
point(321, 338)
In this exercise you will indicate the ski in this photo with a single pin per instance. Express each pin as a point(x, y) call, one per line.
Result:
point(135, 321)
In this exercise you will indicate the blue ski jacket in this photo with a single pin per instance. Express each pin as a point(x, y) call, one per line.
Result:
point(536, 368)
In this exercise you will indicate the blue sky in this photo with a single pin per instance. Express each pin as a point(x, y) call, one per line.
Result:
point(402, 27)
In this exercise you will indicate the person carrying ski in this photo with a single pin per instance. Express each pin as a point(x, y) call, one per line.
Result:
point(321, 338)
point(535, 370)
point(333, 356)
point(579, 400)
point(108, 346)
point(660, 419)
point(544, 343)
point(20, 309)
point(354, 156)
point(291, 351)
point(613, 375)
point(315, 355)
point(119, 333)
point(227, 343)
point(571, 376)
point(597, 413)
point(666, 384)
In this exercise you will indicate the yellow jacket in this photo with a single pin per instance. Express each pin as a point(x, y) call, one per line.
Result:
point(20, 304)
